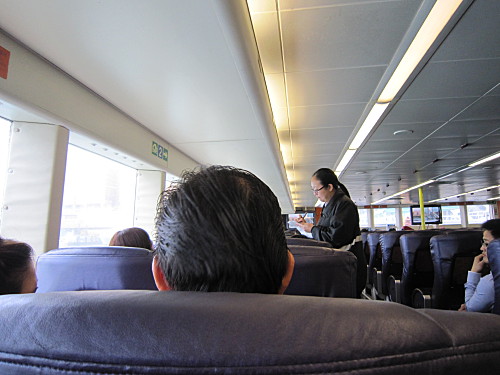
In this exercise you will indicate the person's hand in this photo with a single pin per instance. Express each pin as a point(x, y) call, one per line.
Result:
point(462, 307)
point(300, 220)
point(478, 264)
point(306, 226)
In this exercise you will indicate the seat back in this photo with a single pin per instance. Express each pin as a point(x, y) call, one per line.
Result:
point(151, 332)
point(307, 242)
point(366, 248)
point(95, 268)
point(418, 269)
point(494, 259)
point(323, 272)
point(452, 256)
point(392, 261)
point(375, 259)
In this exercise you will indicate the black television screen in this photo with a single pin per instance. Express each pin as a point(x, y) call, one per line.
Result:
point(432, 214)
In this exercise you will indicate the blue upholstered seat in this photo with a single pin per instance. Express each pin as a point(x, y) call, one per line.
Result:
point(95, 268)
point(148, 332)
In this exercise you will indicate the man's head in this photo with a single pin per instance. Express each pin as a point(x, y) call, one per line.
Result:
point(491, 231)
point(220, 230)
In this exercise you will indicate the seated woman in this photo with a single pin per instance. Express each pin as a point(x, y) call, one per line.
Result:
point(479, 291)
point(17, 268)
point(132, 237)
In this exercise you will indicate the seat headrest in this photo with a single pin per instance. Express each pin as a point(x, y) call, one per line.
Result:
point(323, 272)
point(414, 241)
point(448, 245)
point(373, 238)
point(307, 242)
point(194, 332)
point(95, 268)
point(389, 239)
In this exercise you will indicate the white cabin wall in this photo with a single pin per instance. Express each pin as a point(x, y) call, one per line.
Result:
point(38, 86)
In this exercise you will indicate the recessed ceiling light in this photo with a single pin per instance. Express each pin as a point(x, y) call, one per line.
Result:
point(488, 167)
point(403, 131)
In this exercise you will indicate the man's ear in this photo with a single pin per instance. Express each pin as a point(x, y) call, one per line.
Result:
point(288, 274)
point(160, 281)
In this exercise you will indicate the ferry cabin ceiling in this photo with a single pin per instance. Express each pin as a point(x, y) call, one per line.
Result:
point(190, 72)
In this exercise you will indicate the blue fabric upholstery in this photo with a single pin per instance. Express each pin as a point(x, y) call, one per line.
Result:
point(95, 268)
point(494, 260)
point(452, 255)
point(418, 269)
point(307, 242)
point(147, 332)
point(392, 262)
point(375, 260)
point(323, 272)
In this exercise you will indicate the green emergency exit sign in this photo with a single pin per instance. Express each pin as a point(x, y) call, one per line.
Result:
point(159, 151)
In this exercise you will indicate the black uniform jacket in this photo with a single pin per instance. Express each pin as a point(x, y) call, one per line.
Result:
point(339, 222)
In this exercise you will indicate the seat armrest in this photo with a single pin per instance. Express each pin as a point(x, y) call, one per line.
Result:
point(394, 289)
point(420, 300)
point(377, 285)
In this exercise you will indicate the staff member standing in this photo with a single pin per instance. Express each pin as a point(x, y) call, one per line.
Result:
point(339, 222)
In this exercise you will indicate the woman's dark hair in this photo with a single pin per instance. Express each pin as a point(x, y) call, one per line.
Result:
point(15, 261)
point(326, 176)
point(219, 229)
point(132, 237)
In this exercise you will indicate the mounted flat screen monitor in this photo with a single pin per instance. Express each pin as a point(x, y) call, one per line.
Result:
point(433, 215)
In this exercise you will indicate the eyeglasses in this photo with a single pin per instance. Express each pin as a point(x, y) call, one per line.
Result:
point(316, 190)
point(485, 242)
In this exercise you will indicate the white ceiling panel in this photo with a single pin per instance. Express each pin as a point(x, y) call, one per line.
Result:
point(276, 86)
point(495, 91)
point(325, 116)
point(418, 131)
point(476, 36)
point(257, 6)
point(304, 4)
point(469, 129)
point(308, 42)
point(333, 86)
point(311, 136)
point(488, 108)
point(438, 80)
point(317, 149)
point(268, 37)
point(410, 111)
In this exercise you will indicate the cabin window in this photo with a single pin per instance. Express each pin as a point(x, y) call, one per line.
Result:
point(451, 215)
point(478, 213)
point(99, 196)
point(405, 214)
point(384, 216)
point(364, 217)
point(4, 155)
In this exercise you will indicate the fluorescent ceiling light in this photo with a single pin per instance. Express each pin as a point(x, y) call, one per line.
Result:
point(435, 22)
point(345, 160)
point(370, 121)
point(405, 191)
point(484, 160)
point(494, 198)
point(469, 192)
